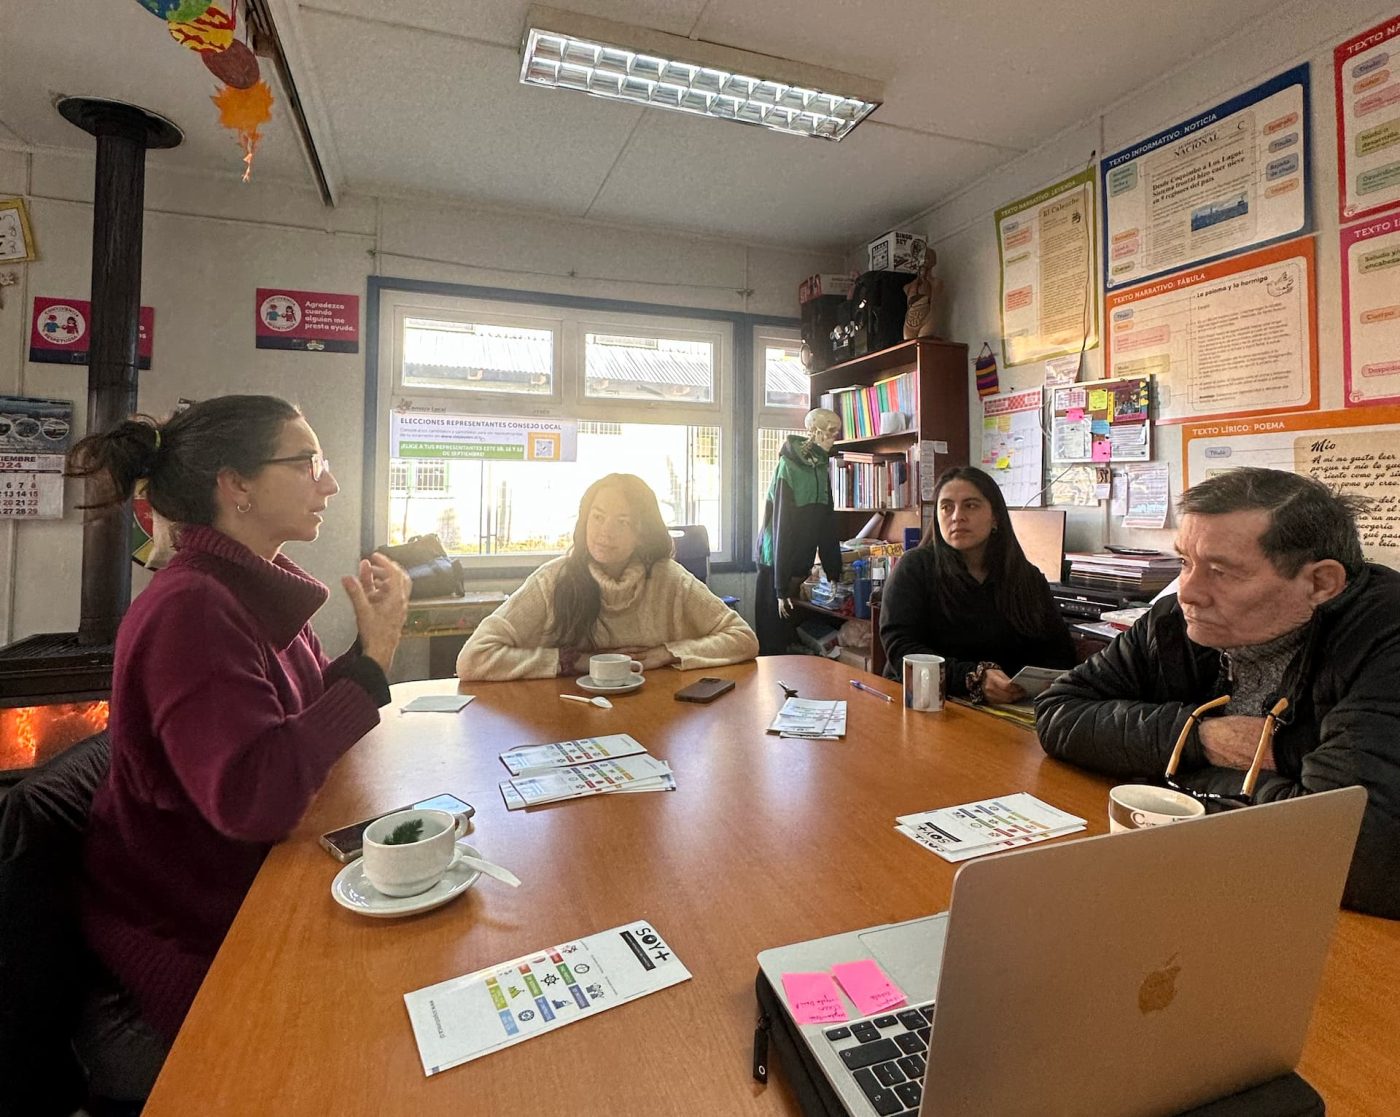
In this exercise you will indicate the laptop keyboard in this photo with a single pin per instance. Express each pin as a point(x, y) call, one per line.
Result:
point(885, 1056)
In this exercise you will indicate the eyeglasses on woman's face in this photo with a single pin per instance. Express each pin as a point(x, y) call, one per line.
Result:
point(314, 461)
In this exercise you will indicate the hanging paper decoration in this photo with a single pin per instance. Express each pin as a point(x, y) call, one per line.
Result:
point(986, 366)
point(209, 33)
point(237, 66)
point(244, 111)
point(176, 11)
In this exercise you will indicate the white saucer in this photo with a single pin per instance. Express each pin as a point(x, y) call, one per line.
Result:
point(352, 890)
point(586, 683)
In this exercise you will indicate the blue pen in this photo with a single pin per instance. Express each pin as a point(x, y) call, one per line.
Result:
point(870, 690)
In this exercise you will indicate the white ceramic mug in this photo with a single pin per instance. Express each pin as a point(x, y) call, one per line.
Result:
point(1136, 806)
point(613, 669)
point(406, 870)
point(925, 682)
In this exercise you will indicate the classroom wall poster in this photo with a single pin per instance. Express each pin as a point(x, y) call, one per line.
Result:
point(315, 321)
point(1367, 69)
point(1012, 445)
point(1223, 181)
point(1237, 337)
point(471, 438)
point(1101, 421)
point(59, 329)
point(1353, 450)
point(1049, 290)
point(1371, 311)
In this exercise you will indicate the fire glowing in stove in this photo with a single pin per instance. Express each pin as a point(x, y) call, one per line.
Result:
point(31, 735)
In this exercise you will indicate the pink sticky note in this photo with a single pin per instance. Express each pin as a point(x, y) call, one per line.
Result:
point(868, 986)
point(1102, 449)
point(813, 998)
point(1074, 414)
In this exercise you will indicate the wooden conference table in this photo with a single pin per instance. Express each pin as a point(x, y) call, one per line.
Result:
point(765, 842)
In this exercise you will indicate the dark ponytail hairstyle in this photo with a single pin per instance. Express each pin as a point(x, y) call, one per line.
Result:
point(577, 599)
point(1017, 586)
point(181, 458)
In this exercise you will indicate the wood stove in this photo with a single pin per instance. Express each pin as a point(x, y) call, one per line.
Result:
point(55, 685)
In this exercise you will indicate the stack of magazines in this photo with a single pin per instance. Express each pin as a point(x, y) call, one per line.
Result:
point(1141, 573)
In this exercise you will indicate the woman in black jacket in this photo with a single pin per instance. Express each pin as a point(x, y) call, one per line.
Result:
point(969, 594)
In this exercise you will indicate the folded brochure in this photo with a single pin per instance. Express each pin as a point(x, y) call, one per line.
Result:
point(565, 754)
point(467, 1017)
point(987, 826)
point(639, 772)
point(810, 717)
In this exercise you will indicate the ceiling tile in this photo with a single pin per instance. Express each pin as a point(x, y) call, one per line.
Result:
point(708, 174)
point(463, 125)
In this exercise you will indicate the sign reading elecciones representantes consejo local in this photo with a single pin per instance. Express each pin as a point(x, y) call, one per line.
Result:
point(315, 321)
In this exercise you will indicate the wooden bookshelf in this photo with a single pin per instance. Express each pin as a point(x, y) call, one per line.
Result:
point(941, 375)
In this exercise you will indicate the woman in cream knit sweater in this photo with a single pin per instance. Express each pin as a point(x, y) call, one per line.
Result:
point(616, 590)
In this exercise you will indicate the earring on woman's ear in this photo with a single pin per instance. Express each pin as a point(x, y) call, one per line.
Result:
point(244, 507)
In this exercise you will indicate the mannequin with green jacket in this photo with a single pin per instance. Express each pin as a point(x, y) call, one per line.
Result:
point(798, 525)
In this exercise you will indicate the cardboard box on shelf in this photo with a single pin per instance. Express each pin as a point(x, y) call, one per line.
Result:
point(824, 283)
point(897, 250)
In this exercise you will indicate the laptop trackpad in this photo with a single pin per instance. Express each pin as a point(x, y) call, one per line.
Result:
point(910, 953)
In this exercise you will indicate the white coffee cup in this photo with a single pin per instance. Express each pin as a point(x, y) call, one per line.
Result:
point(613, 669)
point(925, 682)
point(414, 867)
point(1136, 806)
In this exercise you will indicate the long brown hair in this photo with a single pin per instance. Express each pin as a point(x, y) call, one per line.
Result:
point(1016, 584)
point(577, 599)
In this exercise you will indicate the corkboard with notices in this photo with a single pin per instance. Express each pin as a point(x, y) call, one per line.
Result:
point(1102, 421)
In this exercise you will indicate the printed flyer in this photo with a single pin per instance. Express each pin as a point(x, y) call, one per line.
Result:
point(59, 329)
point(1228, 179)
point(1049, 286)
point(1368, 121)
point(1371, 311)
point(315, 321)
point(1233, 338)
point(467, 1017)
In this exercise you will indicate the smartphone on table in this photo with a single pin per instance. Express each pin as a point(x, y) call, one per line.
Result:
point(347, 843)
point(704, 690)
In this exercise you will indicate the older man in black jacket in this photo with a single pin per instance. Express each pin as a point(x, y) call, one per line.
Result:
point(1275, 600)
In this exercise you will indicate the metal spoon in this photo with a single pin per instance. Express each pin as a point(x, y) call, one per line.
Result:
point(601, 702)
point(504, 875)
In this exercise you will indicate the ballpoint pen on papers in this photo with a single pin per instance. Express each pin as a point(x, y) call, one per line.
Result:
point(870, 690)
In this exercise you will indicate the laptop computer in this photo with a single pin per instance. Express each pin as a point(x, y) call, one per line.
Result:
point(1121, 975)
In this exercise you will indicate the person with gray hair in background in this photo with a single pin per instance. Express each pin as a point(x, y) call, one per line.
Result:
point(1275, 601)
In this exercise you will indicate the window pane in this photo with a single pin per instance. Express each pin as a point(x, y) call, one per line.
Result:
point(477, 357)
point(784, 379)
point(529, 508)
point(652, 368)
point(770, 443)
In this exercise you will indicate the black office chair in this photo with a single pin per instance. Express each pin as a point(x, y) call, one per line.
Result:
point(45, 967)
point(692, 544)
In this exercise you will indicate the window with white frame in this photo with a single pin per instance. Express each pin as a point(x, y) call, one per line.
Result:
point(781, 402)
point(641, 393)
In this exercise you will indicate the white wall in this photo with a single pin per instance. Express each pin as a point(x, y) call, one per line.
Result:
point(209, 242)
point(963, 232)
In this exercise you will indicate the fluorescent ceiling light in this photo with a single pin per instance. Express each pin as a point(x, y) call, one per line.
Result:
point(622, 63)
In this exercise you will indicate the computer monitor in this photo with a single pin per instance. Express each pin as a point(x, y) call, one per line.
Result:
point(1041, 533)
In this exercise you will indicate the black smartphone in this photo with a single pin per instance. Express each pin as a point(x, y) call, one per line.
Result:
point(347, 843)
point(704, 690)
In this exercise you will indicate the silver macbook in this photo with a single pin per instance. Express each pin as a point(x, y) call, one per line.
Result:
point(1122, 975)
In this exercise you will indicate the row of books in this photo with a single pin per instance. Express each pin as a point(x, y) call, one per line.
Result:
point(874, 481)
point(861, 408)
point(1142, 572)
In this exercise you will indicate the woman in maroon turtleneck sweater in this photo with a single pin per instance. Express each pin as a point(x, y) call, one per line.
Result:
point(226, 715)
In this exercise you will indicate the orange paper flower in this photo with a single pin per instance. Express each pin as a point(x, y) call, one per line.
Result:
point(244, 111)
